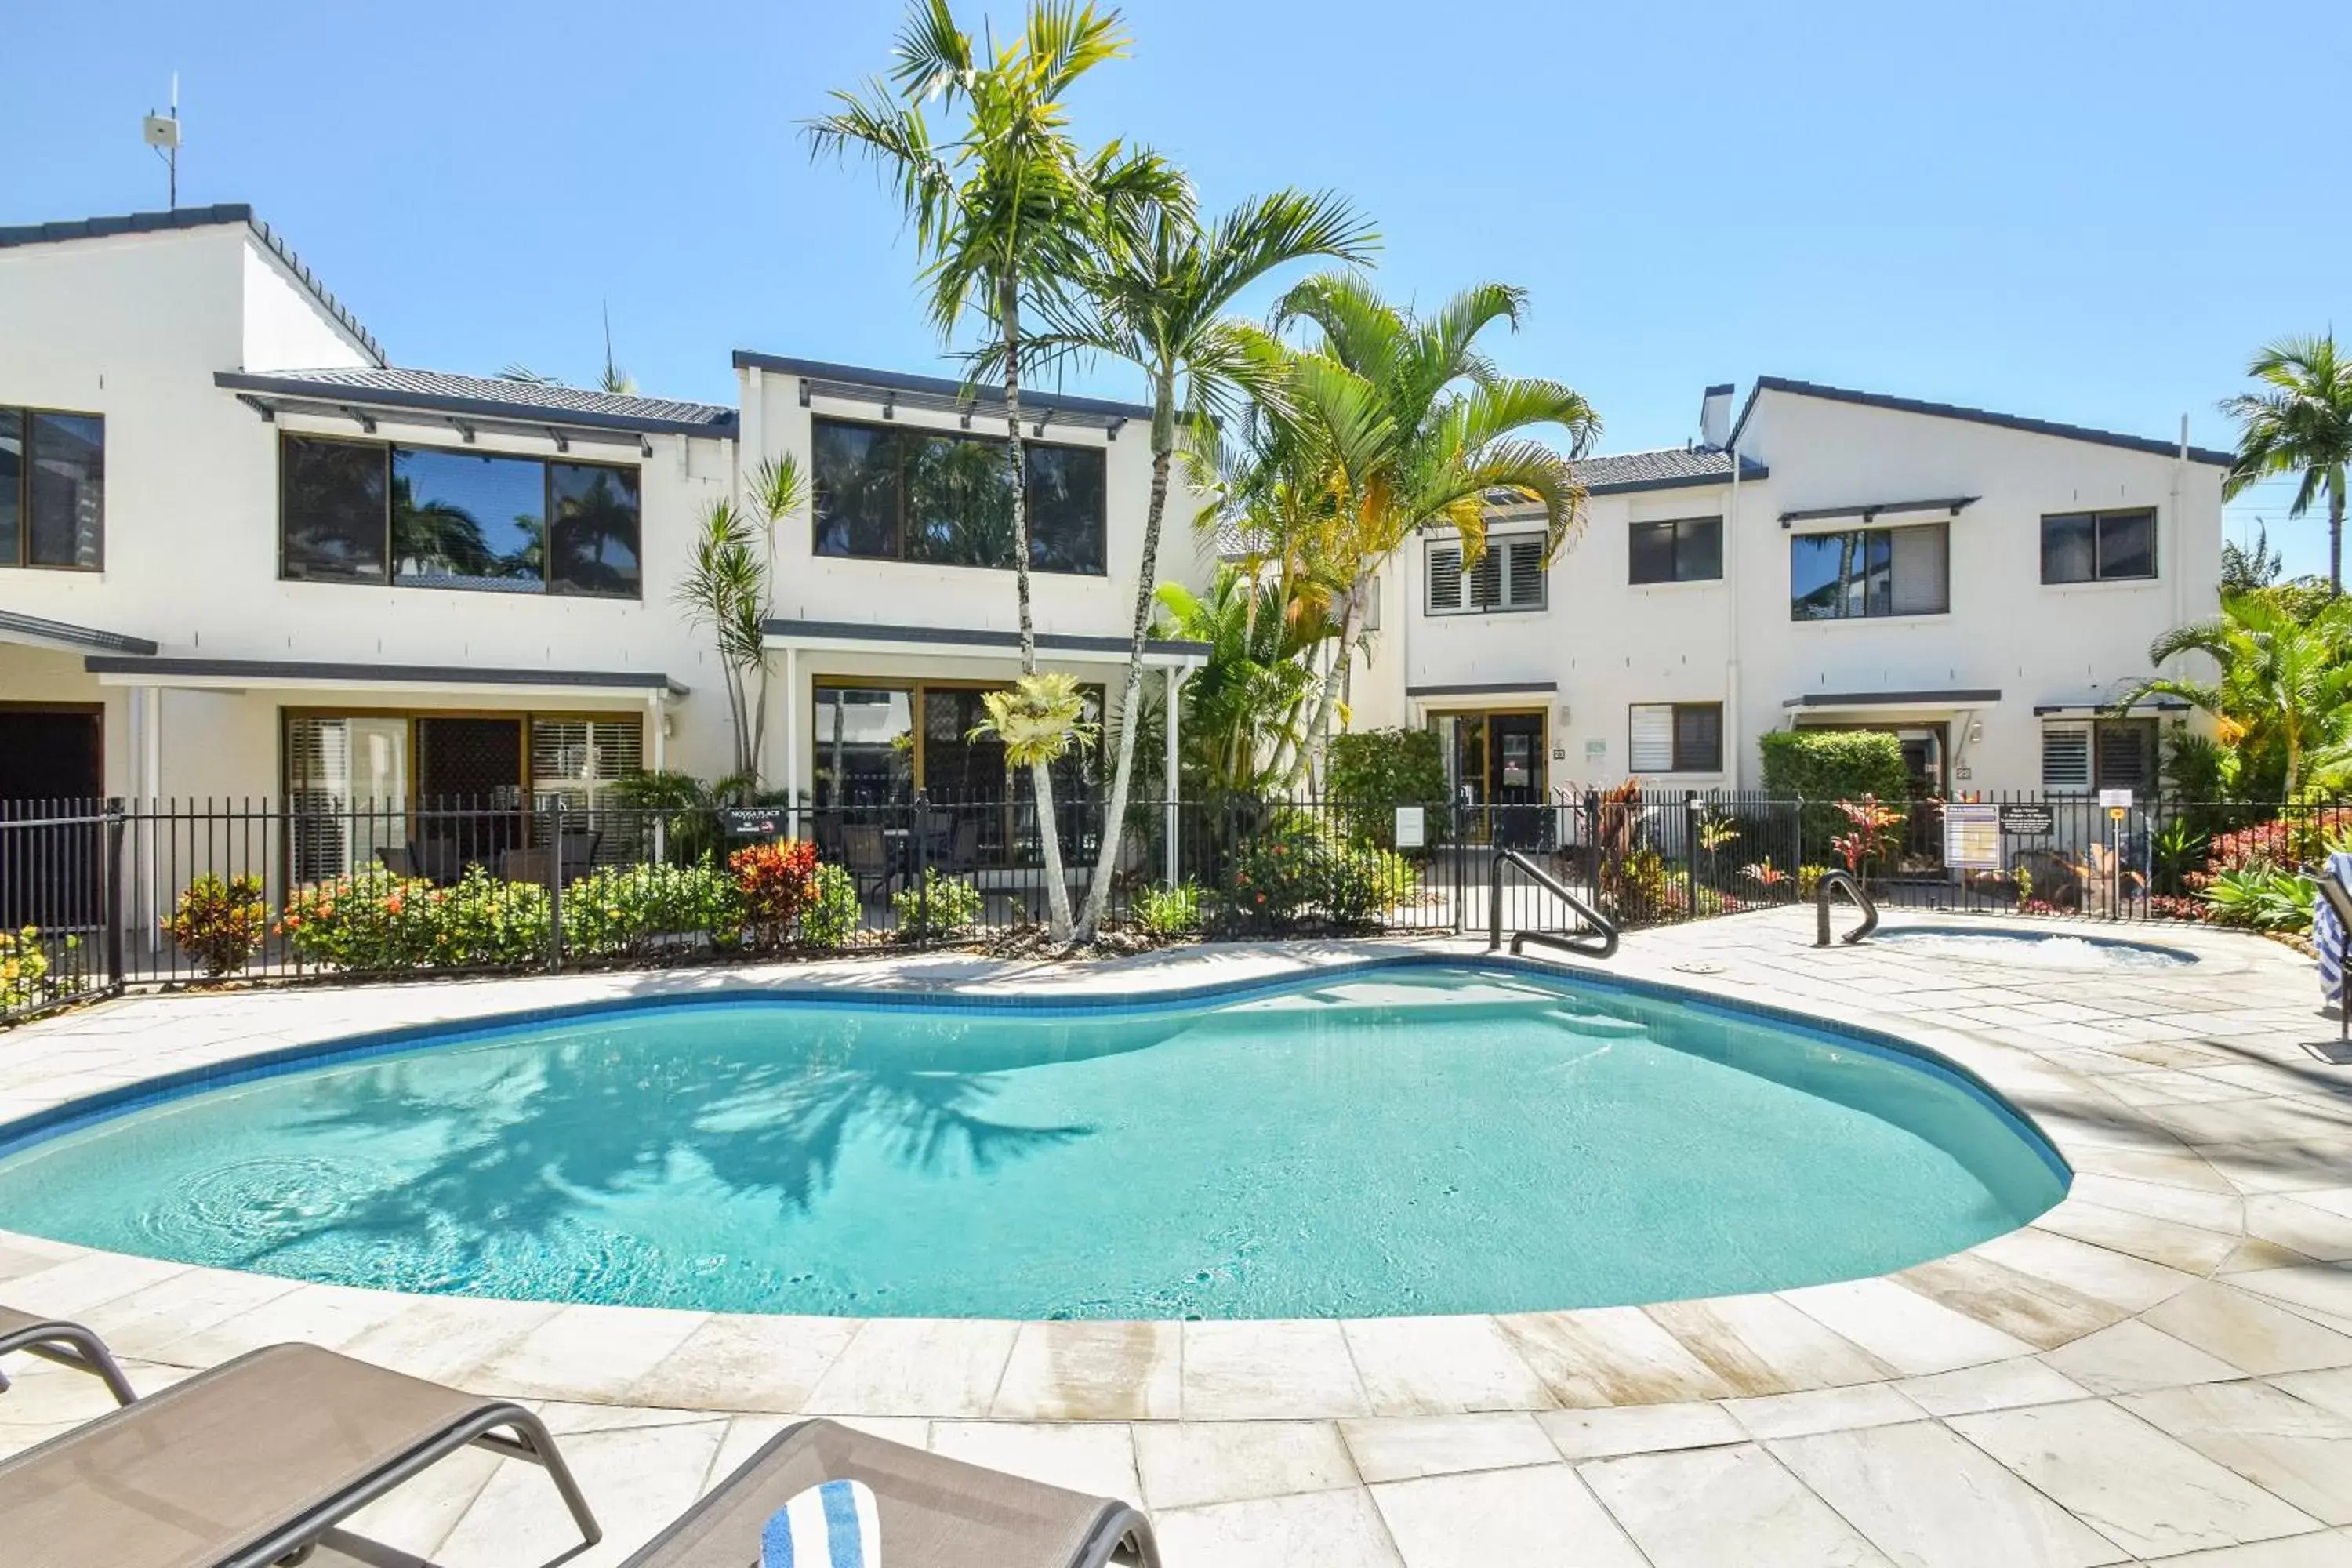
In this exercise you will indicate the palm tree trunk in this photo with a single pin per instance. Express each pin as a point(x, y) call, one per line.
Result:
point(1131, 703)
point(1041, 779)
point(2336, 543)
point(1310, 744)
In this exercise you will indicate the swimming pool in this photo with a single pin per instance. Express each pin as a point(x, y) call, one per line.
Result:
point(1411, 1139)
point(2040, 949)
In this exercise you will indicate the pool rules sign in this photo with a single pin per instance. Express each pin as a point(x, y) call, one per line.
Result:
point(1972, 837)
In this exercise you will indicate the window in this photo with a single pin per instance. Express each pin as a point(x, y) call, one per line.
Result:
point(2106, 754)
point(434, 517)
point(52, 489)
point(1681, 549)
point(926, 495)
point(1508, 576)
point(2098, 546)
point(1870, 572)
point(582, 759)
point(1675, 738)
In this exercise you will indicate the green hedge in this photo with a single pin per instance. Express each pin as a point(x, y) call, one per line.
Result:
point(1828, 766)
point(1370, 773)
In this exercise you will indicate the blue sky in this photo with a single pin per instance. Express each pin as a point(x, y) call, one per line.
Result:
point(2067, 210)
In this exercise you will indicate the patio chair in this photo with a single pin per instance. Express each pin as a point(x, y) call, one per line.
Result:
point(576, 854)
point(400, 859)
point(2339, 902)
point(963, 848)
point(867, 854)
point(935, 1513)
point(250, 1464)
point(525, 866)
point(67, 1344)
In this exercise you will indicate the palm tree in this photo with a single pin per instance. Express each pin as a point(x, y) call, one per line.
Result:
point(1155, 294)
point(2301, 425)
point(1004, 212)
point(1401, 423)
point(727, 587)
point(2281, 682)
point(1243, 709)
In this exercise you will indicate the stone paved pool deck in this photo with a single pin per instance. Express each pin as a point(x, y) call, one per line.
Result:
point(2158, 1369)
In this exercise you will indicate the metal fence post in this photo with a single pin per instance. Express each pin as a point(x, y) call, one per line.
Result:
point(555, 887)
point(1593, 844)
point(1690, 854)
point(922, 863)
point(111, 898)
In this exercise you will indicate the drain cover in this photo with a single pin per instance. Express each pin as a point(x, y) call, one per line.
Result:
point(1698, 967)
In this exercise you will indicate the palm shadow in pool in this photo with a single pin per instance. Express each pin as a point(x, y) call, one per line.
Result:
point(524, 1140)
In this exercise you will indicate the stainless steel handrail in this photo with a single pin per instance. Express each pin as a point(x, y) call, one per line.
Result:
point(1602, 942)
point(1831, 883)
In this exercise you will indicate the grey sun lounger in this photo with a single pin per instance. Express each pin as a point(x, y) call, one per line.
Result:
point(249, 1463)
point(67, 1344)
point(935, 1513)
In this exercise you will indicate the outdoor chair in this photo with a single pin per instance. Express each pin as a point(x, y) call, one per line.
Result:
point(963, 848)
point(525, 866)
point(400, 859)
point(250, 1464)
point(867, 853)
point(2339, 901)
point(576, 854)
point(67, 1344)
point(934, 1512)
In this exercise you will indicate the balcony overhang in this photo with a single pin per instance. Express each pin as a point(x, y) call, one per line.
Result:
point(34, 631)
point(1865, 701)
point(366, 406)
point(1871, 511)
point(974, 642)
point(889, 391)
point(2092, 708)
point(297, 675)
point(1484, 689)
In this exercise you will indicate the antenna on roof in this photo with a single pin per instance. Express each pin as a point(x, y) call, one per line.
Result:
point(161, 133)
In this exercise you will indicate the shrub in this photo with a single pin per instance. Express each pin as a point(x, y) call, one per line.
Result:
point(366, 919)
point(484, 922)
point(628, 910)
point(775, 883)
point(2174, 907)
point(1871, 833)
point(2263, 898)
point(24, 968)
point(1828, 765)
point(220, 924)
point(1639, 886)
point(939, 907)
point(1809, 881)
point(1362, 883)
point(1370, 773)
point(833, 914)
point(1271, 878)
point(1167, 912)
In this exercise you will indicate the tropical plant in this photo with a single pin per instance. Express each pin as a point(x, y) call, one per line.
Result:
point(24, 968)
point(1244, 708)
point(2245, 567)
point(366, 919)
point(729, 587)
point(1168, 913)
point(832, 915)
point(1388, 422)
point(936, 907)
point(1006, 212)
point(1370, 773)
point(774, 883)
point(2178, 848)
point(219, 924)
point(1154, 291)
point(2299, 424)
point(487, 922)
point(635, 910)
point(1764, 874)
point(1870, 832)
point(2263, 898)
point(2283, 686)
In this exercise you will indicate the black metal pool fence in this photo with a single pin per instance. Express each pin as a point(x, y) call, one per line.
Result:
point(99, 895)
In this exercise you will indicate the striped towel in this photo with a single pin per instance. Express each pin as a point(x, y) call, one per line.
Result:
point(833, 1525)
point(2327, 931)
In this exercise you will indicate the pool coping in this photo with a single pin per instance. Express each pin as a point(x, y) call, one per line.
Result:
point(2078, 1271)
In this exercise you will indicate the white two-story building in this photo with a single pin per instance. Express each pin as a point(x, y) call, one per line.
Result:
point(1984, 586)
point(244, 558)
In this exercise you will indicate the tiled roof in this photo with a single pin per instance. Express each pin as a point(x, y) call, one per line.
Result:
point(197, 218)
point(2150, 445)
point(1665, 468)
point(434, 386)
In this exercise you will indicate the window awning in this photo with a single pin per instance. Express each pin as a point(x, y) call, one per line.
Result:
point(33, 631)
point(471, 404)
point(1820, 701)
point(1871, 511)
point(1487, 688)
point(1160, 653)
point(891, 390)
point(2090, 708)
point(246, 674)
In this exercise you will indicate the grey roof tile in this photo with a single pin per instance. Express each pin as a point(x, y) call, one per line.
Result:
point(392, 383)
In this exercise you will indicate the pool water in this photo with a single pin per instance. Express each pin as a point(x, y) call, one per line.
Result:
point(2035, 949)
point(1406, 1141)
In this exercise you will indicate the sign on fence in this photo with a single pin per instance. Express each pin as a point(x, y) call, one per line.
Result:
point(753, 821)
point(1411, 827)
point(1972, 837)
point(2026, 821)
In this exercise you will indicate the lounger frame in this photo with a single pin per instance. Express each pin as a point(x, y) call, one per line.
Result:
point(69, 1344)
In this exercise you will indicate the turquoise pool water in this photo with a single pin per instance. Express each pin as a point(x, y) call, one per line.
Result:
point(1404, 1140)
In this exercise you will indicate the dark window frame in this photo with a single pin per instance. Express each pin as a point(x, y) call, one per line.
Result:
point(26, 414)
point(1864, 533)
point(1675, 711)
point(895, 428)
point(389, 578)
point(1675, 550)
point(2099, 518)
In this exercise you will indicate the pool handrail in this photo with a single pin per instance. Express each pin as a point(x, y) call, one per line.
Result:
point(1601, 942)
point(1831, 883)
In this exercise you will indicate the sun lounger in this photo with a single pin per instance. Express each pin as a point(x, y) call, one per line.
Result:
point(935, 1513)
point(68, 1344)
point(250, 1462)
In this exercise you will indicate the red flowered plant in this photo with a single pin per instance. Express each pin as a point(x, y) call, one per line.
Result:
point(778, 882)
point(1870, 833)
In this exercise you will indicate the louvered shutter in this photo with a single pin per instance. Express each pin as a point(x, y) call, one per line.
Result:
point(1525, 574)
point(2066, 757)
point(1486, 580)
point(2127, 754)
point(1651, 748)
point(1444, 578)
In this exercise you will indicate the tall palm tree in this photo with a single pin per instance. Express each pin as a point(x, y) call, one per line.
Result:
point(2279, 682)
point(2301, 425)
point(1404, 424)
point(1005, 211)
point(1155, 294)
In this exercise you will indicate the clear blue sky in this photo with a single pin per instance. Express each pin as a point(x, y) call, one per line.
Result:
point(2090, 211)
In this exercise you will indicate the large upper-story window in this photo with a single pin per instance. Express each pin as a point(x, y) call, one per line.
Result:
point(1870, 572)
point(52, 489)
point(2098, 546)
point(893, 493)
point(1676, 550)
point(431, 517)
point(1508, 576)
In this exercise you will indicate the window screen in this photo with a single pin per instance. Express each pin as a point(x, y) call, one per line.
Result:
point(2066, 757)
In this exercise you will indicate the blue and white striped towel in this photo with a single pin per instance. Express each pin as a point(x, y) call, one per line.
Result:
point(2327, 931)
point(829, 1526)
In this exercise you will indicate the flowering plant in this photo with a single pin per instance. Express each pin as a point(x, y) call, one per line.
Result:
point(219, 924)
